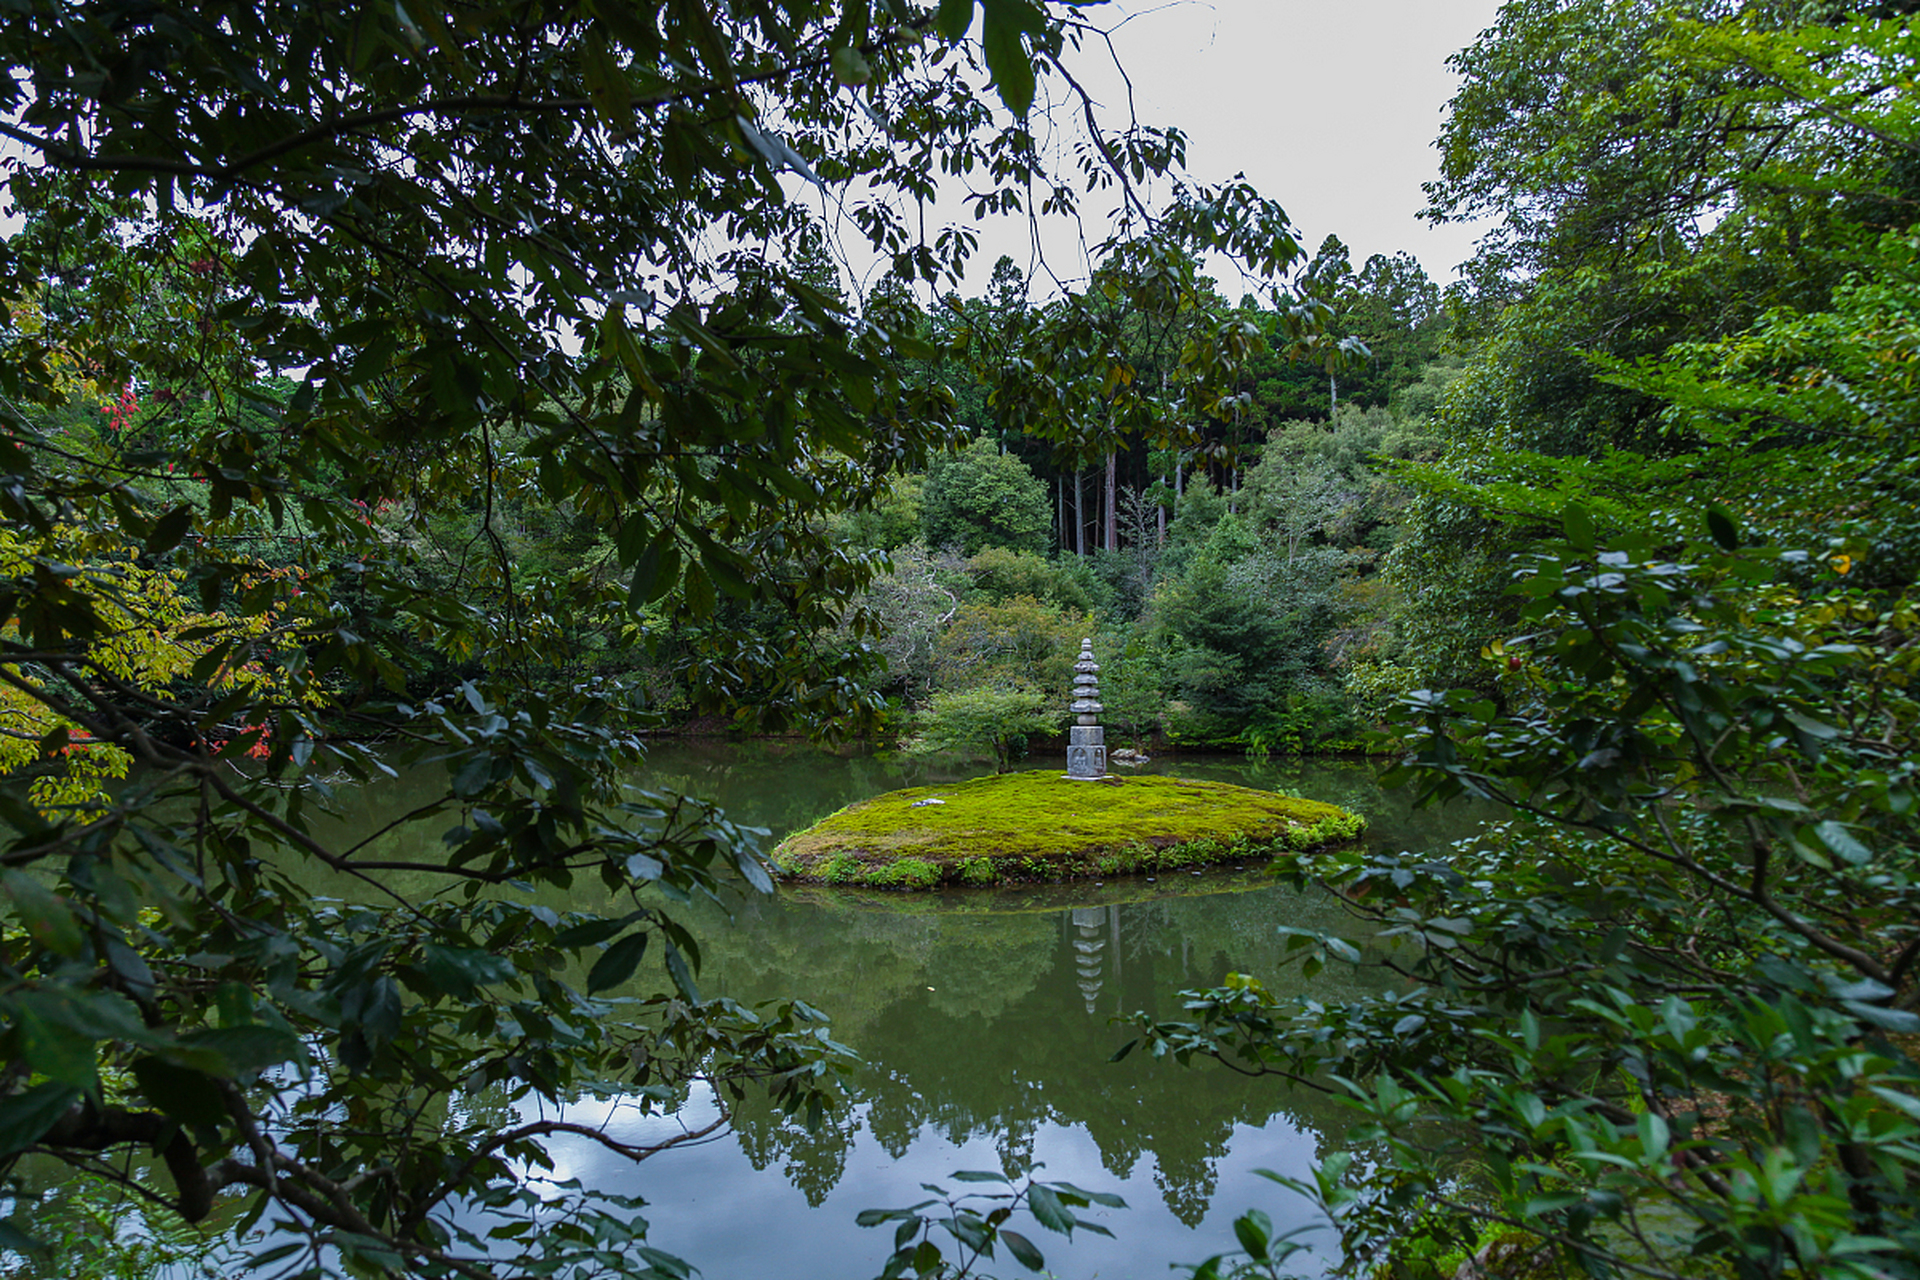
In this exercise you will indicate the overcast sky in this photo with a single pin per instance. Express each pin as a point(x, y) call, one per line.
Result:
point(1329, 106)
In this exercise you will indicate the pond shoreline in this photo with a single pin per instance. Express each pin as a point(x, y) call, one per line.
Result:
point(712, 729)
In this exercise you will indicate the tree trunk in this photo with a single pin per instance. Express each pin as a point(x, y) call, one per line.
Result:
point(1113, 510)
point(1079, 518)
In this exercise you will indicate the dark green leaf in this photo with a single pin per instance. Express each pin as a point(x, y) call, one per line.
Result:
point(1837, 838)
point(14, 1240)
point(752, 868)
point(27, 1115)
point(954, 18)
point(169, 529)
point(1896, 1020)
point(606, 81)
point(1022, 1250)
point(726, 572)
point(617, 963)
point(682, 977)
point(1811, 727)
point(189, 1096)
point(46, 917)
point(1578, 523)
point(650, 582)
point(473, 776)
point(129, 966)
point(1107, 1198)
point(698, 594)
point(1008, 63)
point(246, 1050)
point(459, 970)
point(380, 1010)
point(631, 26)
point(1722, 528)
point(54, 1047)
point(1254, 1230)
point(590, 932)
point(1048, 1211)
point(81, 1018)
point(23, 818)
point(267, 1257)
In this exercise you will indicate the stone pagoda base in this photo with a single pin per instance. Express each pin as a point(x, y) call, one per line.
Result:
point(1087, 752)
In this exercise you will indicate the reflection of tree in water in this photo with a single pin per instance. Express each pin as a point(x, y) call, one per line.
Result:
point(1187, 1186)
point(1199, 940)
point(814, 1162)
point(862, 966)
point(979, 1026)
point(995, 959)
point(894, 1130)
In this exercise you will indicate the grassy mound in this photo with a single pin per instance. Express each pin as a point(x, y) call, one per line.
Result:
point(1040, 826)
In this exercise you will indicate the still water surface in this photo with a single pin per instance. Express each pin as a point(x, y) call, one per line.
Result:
point(985, 1025)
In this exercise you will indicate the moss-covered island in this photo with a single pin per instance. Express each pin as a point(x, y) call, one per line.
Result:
point(1038, 825)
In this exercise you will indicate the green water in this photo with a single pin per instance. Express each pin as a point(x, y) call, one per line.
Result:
point(985, 1025)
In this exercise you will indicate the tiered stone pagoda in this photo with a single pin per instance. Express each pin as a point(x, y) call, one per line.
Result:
point(1087, 741)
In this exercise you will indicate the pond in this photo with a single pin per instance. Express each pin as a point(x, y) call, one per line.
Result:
point(985, 1023)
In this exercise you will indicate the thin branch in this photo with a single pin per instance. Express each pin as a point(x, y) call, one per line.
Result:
point(1100, 141)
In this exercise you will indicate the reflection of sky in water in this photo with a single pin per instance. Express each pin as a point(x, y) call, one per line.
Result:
point(708, 1205)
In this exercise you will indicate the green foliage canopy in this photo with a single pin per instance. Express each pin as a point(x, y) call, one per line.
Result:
point(981, 497)
point(543, 252)
point(1660, 1022)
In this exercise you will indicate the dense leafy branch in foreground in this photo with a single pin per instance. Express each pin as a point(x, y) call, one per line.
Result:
point(1665, 1012)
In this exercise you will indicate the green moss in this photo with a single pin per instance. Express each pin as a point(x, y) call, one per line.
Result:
point(907, 873)
point(1335, 828)
point(1040, 826)
point(976, 871)
point(841, 868)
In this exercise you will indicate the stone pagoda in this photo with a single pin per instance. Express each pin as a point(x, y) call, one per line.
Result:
point(1087, 743)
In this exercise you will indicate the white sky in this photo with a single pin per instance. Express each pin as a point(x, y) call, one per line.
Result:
point(1330, 107)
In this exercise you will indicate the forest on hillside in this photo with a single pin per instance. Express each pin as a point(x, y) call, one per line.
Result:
point(407, 407)
point(1233, 580)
